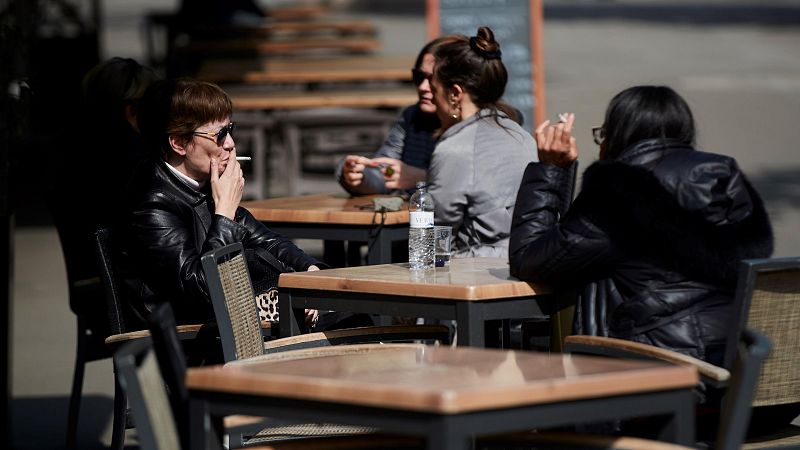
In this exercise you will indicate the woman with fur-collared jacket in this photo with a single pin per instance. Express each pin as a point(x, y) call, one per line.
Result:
point(654, 239)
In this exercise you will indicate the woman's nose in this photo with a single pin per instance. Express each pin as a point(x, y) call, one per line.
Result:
point(229, 144)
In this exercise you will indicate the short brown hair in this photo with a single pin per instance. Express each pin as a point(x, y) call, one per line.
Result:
point(178, 107)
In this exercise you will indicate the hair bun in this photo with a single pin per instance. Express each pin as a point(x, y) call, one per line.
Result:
point(484, 44)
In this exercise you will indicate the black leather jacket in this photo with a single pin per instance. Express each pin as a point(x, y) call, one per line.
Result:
point(170, 228)
point(652, 243)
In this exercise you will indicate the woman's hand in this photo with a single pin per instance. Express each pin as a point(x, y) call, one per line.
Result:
point(399, 175)
point(227, 188)
point(312, 315)
point(353, 169)
point(556, 144)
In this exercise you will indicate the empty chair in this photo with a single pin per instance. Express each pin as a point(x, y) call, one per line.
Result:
point(237, 317)
point(236, 312)
point(171, 374)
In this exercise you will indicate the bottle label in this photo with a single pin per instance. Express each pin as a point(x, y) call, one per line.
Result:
point(420, 219)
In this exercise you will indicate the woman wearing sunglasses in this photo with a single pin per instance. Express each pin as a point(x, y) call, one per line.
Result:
point(185, 202)
point(406, 152)
point(654, 239)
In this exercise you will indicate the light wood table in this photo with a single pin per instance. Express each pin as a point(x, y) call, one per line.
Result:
point(448, 395)
point(266, 71)
point(473, 291)
point(334, 217)
point(266, 106)
point(359, 98)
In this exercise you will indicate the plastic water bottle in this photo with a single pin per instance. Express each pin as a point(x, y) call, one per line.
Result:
point(420, 231)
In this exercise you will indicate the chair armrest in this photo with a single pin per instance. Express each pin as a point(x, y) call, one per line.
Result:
point(184, 332)
point(620, 348)
point(335, 350)
point(361, 335)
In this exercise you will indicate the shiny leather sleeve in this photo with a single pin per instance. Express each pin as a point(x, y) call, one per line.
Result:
point(166, 250)
point(552, 241)
point(279, 245)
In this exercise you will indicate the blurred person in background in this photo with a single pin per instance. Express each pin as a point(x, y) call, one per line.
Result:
point(409, 144)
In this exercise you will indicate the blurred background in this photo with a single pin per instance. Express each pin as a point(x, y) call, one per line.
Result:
point(736, 62)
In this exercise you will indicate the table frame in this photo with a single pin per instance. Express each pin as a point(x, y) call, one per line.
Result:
point(447, 431)
point(379, 244)
point(471, 315)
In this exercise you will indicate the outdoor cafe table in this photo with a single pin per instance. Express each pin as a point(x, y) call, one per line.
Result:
point(334, 217)
point(449, 395)
point(470, 290)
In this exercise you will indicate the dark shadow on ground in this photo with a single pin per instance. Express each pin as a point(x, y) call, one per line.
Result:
point(41, 422)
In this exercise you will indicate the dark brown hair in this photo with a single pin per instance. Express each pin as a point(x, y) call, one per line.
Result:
point(431, 47)
point(646, 112)
point(475, 64)
point(178, 107)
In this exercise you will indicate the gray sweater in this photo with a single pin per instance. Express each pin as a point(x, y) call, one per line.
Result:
point(474, 176)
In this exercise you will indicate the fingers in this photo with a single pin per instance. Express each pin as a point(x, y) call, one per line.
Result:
point(312, 315)
point(214, 170)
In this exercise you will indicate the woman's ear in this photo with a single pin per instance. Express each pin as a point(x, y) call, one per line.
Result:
point(178, 145)
point(456, 92)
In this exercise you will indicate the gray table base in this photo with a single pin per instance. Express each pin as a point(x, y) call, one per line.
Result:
point(378, 238)
point(452, 431)
point(471, 316)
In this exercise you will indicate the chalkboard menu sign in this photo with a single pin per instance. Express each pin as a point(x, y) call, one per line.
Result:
point(517, 27)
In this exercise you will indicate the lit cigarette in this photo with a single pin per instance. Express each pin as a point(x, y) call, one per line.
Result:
point(243, 158)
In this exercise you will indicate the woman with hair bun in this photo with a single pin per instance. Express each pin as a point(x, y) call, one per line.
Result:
point(482, 151)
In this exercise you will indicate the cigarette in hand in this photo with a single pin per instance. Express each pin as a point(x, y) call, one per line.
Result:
point(562, 117)
point(243, 158)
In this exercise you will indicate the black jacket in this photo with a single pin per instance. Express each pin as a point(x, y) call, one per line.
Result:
point(652, 243)
point(171, 226)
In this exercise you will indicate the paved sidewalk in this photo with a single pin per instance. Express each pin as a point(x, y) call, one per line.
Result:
point(741, 79)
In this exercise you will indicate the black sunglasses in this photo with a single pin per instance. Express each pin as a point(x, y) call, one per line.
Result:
point(419, 75)
point(220, 135)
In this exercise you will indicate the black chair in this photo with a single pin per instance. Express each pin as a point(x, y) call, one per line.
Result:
point(751, 351)
point(87, 302)
point(245, 431)
point(120, 333)
point(236, 312)
point(767, 300)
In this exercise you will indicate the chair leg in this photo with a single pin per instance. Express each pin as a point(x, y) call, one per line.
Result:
point(77, 388)
point(120, 417)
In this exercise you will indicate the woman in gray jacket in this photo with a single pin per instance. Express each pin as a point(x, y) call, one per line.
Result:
point(482, 152)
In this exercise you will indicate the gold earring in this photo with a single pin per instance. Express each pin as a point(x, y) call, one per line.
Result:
point(456, 115)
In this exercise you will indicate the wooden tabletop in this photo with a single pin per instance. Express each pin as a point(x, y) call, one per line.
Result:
point(357, 98)
point(271, 47)
point(284, 28)
point(307, 70)
point(445, 380)
point(323, 209)
point(465, 279)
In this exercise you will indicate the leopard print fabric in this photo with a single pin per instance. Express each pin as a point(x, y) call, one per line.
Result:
point(268, 305)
